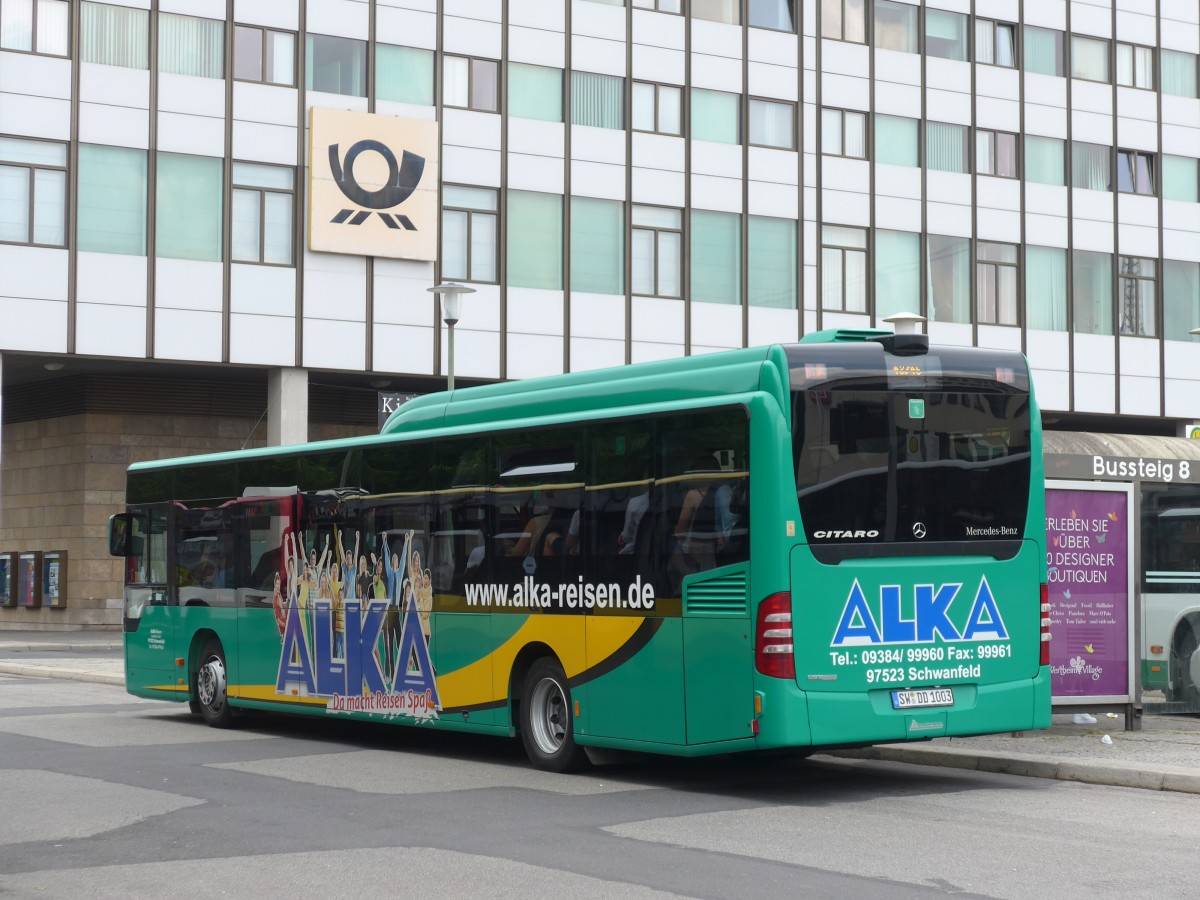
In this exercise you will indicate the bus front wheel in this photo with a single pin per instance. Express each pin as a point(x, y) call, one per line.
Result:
point(211, 686)
point(1185, 665)
point(548, 721)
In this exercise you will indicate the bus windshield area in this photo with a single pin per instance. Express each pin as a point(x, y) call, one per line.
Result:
point(887, 466)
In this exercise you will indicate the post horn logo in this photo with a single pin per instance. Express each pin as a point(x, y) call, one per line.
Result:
point(402, 180)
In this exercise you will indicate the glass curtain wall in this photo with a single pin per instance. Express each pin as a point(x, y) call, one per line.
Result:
point(897, 273)
point(404, 74)
point(188, 207)
point(716, 257)
point(597, 245)
point(948, 269)
point(535, 257)
point(191, 46)
point(1046, 288)
point(1092, 293)
point(772, 264)
point(111, 209)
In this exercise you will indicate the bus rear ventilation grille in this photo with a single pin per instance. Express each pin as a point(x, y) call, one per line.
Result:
point(724, 596)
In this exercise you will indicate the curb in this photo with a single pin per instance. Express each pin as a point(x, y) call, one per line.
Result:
point(10, 668)
point(1156, 778)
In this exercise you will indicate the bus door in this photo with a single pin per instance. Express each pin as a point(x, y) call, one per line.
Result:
point(149, 616)
point(260, 582)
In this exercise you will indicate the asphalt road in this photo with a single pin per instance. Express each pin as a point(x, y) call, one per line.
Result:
point(104, 795)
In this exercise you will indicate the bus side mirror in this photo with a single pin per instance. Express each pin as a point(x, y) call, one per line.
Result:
point(120, 534)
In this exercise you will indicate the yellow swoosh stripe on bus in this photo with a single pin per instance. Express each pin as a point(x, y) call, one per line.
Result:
point(476, 683)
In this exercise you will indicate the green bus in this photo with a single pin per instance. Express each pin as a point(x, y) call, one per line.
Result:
point(837, 542)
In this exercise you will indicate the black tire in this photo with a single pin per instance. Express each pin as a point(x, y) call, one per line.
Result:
point(211, 683)
point(1182, 650)
point(548, 719)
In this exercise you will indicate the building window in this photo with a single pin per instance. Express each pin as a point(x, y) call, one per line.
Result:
point(657, 108)
point(1092, 292)
point(470, 83)
point(773, 124)
point(896, 26)
point(844, 269)
point(111, 208)
point(996, 153)
point(1135, 66)
point(1043, 51)
point(597, 245)
point(771, 266)
point(1044, 160)
point(115, 35)
point(1090, 166)
point(1179, 179)
point(716, 257)
point(1181, 299)
point(1135, 172)
point(778, 15)
point(657, 252)
point(727, 11)
point(1178, 73)
point(187, 207)
point(897, 272)
point(715, 116)
point(667, 6)
point(335, 65)
point(996, 283)
point(844, 133)
point(945, 34)
point(535, 240)
point(947, 147)
point(263, 219)
point(535, 92)
point(404, 74)
point(844, 20)
point(191, 46)
point(33, 192)
point(897, 141)
point(1136, 283)
point(1046, 288)
point(1089, 59)
point(35, 26)
point(995, 43)
point(597, 100)
point(948, 263)
point(470, 225)
point(264, 55)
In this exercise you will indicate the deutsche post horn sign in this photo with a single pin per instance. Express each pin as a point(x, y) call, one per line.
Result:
point(372, 185)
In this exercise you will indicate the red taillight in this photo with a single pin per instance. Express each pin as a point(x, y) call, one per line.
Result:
point(1045, 629)
point(774, 653)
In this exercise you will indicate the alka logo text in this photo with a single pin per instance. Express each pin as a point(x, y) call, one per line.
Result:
point(402, 180)
point(934, 613)
point(355, 680)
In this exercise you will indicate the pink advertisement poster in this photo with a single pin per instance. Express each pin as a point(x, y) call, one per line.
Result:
point(1088, 560)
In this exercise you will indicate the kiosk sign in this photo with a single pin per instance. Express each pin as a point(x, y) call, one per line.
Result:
point(1087, 555)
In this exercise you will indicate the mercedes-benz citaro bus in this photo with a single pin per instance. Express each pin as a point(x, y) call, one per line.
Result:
point(831, 543)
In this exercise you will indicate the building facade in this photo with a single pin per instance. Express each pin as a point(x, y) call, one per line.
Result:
point(617, 181)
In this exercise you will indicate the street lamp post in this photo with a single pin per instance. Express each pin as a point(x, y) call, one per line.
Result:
point(451, 294)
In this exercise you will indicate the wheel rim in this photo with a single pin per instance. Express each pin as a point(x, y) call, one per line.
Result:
point(210, 683)
point(548, 708)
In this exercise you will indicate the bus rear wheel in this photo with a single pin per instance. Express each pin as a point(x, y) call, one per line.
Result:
point(211, 686)
point(548, 720)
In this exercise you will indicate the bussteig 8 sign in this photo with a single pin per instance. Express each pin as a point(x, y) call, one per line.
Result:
point(372, 185)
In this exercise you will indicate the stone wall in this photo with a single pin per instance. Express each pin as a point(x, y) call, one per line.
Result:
point(63, 477)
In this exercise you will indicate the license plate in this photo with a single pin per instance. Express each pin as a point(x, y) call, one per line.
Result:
point(928, 697)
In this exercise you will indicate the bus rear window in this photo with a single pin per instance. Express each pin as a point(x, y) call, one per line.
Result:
point(880, 466)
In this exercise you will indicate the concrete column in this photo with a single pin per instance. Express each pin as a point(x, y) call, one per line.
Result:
point(287, 406)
